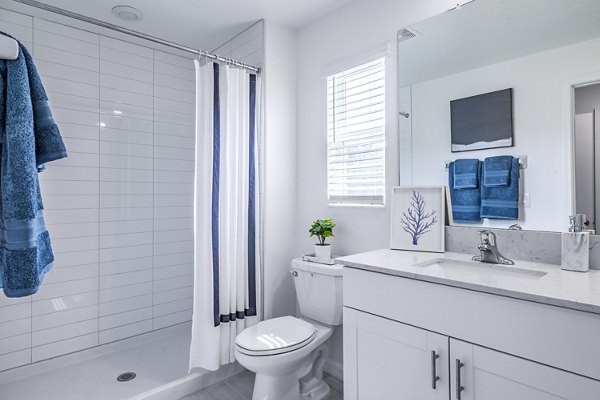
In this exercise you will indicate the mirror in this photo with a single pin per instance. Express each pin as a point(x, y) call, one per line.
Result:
point(547, 52)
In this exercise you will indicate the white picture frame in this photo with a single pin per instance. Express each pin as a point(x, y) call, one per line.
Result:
point(418, 218)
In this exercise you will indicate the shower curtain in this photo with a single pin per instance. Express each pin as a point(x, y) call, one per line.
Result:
point(226, 210)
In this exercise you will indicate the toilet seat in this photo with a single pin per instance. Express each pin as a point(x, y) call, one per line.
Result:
point(275, 336)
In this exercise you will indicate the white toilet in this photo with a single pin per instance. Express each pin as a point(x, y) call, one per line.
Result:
point(288, 353)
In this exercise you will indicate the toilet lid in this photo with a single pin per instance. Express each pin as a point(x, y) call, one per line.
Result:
point(275, 336)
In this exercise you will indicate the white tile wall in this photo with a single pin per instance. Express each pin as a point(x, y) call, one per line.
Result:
point(119, 208)
point(246, 47)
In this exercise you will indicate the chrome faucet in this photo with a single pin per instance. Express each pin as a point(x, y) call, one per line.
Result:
point(489, 250)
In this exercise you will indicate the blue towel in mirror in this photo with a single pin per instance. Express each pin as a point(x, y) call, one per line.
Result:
point(466, 203)
point(496, 171)
point(466, 174)
point(501, 202)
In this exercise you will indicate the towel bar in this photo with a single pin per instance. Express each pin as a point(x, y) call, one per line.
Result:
point(522, 162)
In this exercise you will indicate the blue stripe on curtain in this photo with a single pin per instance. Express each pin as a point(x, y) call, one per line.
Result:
point(251, 310)
point(215, 192)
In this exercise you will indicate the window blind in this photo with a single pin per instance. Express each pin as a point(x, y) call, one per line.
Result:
point(356, 135)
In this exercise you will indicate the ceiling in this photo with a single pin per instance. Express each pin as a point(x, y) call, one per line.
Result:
point(486, 32)
point(204, 24)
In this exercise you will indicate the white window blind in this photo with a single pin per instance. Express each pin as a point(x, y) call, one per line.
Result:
point(356, 135)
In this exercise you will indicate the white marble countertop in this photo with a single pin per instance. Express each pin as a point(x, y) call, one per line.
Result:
point(575, 290)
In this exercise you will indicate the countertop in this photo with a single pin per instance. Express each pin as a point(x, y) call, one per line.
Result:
point(575, 290)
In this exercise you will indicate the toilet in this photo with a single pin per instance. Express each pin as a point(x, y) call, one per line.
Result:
point(288, 353)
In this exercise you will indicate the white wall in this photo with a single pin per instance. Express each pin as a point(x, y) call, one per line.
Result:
point(537, 81)
point(279, 200)
point(360, 27)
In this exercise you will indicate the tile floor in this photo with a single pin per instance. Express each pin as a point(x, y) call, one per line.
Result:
point(240, 387)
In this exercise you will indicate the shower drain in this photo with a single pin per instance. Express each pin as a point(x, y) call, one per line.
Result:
point(126, 376)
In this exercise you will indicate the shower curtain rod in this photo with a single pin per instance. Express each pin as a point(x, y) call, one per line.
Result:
point(140, 35)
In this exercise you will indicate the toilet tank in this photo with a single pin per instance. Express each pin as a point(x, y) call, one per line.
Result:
point(319, 290)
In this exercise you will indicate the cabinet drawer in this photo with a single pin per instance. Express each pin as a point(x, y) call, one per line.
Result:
point(555, 336)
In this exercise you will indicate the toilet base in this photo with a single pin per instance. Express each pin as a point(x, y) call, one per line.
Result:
point(282, 387)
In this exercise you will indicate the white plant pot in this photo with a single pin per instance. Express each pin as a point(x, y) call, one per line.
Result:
point(323, 251)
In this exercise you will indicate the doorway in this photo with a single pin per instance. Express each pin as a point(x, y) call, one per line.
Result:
point(587, 153)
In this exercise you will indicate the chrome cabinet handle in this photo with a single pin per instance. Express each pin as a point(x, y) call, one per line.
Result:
point(294, 273)
point(434, 377)
point(459, 387)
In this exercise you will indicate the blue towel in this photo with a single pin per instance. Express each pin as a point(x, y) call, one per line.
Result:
point(466, 174)
point(466, 203)
point(29, 139)
point(496, 171)
point(502, 202)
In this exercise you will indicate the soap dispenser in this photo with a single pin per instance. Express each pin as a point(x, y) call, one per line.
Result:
point(575, 255)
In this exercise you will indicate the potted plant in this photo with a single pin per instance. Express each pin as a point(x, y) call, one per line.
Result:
point(322, 229)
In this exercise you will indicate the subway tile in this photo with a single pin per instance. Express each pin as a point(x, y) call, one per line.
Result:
point(66, 274)
point(173, 153)
point(55, 290)
point(126, 47)
point(64, 332)
point(174, 294)
point(173, 212)
point(174, 141)
point(125, 71)
point(164, 57)
point(15, 359)
point(64, 231)
point(57, 85)
point(125, 240)
point(122, 95)
point(55, 349)
point(58, 202)
point(117, 227)
point(79, 131)
point(172, 272)
point(59, 318)
point(91, 147)
point(125, 292)
point(165, 189)
point(125, 58)
point(55, 42)
point(66, 31)
point(78, 216)
point(173, 259)
point(67, 173)
point(142, 200)
point(172, 307)
point(177, 95)
point(124, 84)
point(128, 265)
point(75, 258)
point(126, 149)
point(65, 115)
point(172, 319)
point(77, 103)
point(175, 82)
point(126, 214)
point(125, 331)
point(65, 302)
point(173, 283)
point(121, 136)
point(125, 110)
point(22, 33)
point(184, 73)
point(75, 245)
point(125, 123)
point(174, 177)
point(174, 124)
point(173, 224)
point(57, 187)
point(15, 312)
point(173, 200)
point(125, 305)
point(125, 253)
point(125, 175)
point(173, 247)
point(23, 20)
point(11, 301)
point(126, 318)
point(173, 236)
point(15, 327)
point(188, 109)
point(125, 279)
point(15, 343)
point(126, 188)
point(65, 65)
point(174, 165)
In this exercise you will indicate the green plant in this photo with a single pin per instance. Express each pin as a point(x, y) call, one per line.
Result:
point(322, 229)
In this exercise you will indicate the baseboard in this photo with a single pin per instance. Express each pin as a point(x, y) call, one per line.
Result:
point(334, 369)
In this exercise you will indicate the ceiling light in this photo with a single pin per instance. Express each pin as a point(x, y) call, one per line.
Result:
point(127, 13)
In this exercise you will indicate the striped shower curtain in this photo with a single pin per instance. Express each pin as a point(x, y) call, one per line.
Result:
point(226, 212)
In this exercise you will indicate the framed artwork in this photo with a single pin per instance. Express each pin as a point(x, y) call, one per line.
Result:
point(482, 122)
point(418, 218)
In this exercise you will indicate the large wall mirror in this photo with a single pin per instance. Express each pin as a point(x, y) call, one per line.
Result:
point(548, 53)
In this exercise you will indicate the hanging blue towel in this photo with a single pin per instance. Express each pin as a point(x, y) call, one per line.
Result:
point(501, 202)
point(466, 203)
point(466, 174)
point(496, 171)
point(30, 138)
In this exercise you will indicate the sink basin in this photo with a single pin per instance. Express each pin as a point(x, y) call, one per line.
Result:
point(457, 268)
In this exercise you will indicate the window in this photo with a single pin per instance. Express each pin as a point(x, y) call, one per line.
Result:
point(356, 135)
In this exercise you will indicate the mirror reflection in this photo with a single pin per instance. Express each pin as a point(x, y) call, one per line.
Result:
point(494, 78)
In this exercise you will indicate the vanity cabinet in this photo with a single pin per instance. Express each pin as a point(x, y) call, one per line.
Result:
point(401, 334)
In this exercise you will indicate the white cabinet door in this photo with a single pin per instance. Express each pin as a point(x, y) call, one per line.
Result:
point(387, 360)
point(491, 375)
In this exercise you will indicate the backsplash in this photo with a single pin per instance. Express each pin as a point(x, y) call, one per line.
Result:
point(537, 246)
